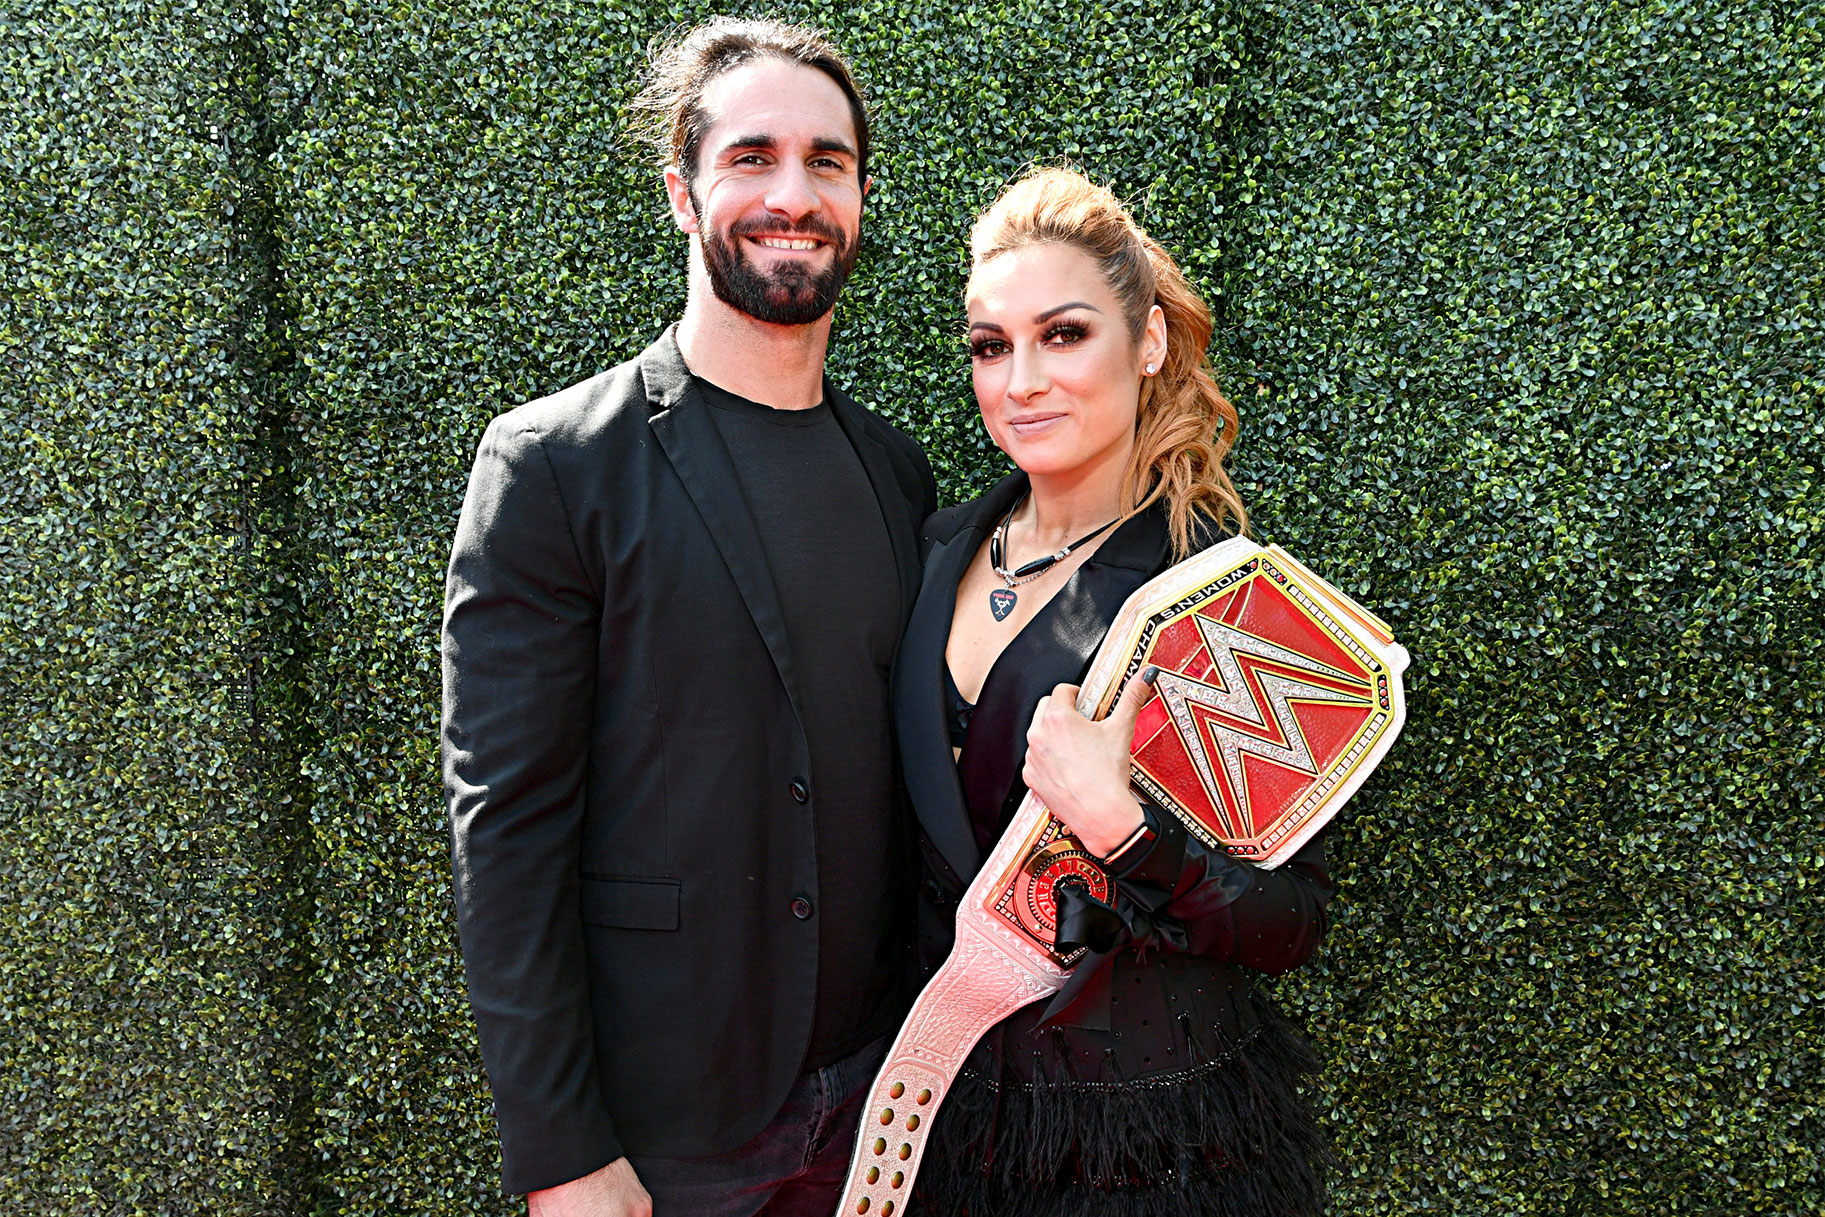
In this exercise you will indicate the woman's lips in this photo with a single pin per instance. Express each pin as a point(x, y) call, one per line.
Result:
point(1033, 424)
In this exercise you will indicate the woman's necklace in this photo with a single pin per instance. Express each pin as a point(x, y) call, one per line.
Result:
point(1003, 599)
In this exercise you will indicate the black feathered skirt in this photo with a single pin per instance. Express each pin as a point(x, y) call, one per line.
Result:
point(1228, 1137)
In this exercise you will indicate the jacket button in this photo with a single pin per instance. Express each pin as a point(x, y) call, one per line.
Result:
point(801, 908)
point(800, 790)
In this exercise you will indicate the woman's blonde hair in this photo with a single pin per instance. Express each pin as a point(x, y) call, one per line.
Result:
point(1185, 426)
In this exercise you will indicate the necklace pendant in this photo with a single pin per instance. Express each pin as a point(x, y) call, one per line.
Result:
point(1001, 602)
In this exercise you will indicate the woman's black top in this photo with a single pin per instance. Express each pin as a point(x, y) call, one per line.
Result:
point(957, 710)
point(1168, 1084)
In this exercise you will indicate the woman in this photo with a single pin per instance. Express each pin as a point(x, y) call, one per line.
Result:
point(1165, 1085)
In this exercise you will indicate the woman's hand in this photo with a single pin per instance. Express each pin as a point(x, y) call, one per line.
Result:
point(1079, 767)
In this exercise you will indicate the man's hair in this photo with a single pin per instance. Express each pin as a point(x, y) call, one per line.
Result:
point(669, 113)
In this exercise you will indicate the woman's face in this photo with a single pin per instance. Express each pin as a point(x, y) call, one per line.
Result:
point(1056, 375)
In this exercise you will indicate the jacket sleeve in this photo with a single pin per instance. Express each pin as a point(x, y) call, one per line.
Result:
point(519, 666)
point(1182, 895)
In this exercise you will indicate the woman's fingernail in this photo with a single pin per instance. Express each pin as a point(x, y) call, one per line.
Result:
point(1149, 674)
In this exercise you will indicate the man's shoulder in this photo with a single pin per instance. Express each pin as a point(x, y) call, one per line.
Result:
point(582, 414)
point(876, 425)
point(906, 457)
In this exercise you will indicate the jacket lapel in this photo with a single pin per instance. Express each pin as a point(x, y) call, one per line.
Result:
point(896, 502)
point(687, 434)
point(921, 717)
point(920, 712)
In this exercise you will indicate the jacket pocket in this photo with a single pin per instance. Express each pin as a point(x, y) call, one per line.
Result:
point(630, 904)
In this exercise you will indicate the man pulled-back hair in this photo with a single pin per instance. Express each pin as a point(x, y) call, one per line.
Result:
point(674, 600)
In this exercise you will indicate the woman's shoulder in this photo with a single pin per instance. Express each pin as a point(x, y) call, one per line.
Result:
point(943, 525)
point(946, 522)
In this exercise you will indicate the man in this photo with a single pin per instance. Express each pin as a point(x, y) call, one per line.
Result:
point(674, 599)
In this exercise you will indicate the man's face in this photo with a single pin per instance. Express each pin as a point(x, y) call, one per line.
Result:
point(775, 200)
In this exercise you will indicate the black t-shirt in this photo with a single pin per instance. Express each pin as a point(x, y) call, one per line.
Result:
point(833, 567)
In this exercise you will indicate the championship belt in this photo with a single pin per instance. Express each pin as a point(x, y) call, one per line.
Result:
point(1276, 696)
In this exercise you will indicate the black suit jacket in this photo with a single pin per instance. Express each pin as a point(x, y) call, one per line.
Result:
point(627, 774)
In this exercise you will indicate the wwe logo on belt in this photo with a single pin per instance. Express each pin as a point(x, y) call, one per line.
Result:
point(1255, 702)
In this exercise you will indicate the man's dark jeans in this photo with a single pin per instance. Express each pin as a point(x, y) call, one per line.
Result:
point(795, 1167)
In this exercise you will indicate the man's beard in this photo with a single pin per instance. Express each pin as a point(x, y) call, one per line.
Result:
point(793, 294)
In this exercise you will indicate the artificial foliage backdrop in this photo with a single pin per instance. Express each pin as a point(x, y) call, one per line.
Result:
point(1520, 305)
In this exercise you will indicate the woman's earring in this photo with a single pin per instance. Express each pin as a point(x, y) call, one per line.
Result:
point(1151, 369)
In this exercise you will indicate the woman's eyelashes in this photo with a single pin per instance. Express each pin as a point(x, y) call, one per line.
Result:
point(1058, 334)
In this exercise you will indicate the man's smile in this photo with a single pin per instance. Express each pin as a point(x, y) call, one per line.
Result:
point(787, 242)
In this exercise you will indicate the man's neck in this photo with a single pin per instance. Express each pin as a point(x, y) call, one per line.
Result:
point(776, 365)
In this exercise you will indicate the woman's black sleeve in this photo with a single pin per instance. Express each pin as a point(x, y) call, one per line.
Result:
point(1207, 902)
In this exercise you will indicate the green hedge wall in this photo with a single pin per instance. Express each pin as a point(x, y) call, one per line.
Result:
point(149, 928)
point(1521, 309)
point(1531, 307)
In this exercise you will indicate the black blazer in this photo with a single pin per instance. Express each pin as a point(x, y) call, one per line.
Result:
point(627, 775)
point(1206, 922)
